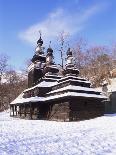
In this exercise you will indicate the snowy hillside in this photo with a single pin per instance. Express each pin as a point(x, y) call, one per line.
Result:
point(35, 137)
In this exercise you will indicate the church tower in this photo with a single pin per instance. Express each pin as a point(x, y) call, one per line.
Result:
point(35, 69)
point(70, 66)
point(50, 69)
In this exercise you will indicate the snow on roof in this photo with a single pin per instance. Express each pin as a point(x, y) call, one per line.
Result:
point(17, 99)
point(75, 94)
point(74, 80)
point(20, 98)
point(42, 84)
point(27, 100)
point(55, 75)
point(42, 55)
point(50, 78)
point(70, 76)
point(71, 87)
point(53, 66)
point(98, 89)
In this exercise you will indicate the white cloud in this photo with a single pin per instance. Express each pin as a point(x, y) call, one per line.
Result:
point(57, 21)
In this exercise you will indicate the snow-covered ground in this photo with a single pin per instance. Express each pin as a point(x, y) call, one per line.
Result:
point(35, 137)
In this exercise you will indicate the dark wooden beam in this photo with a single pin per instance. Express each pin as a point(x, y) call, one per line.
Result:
point(10, 110)
point(13, 110)
point(25, 110)
point(30, 110)
point(20, 110)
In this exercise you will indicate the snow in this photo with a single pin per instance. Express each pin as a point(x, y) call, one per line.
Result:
point(27, 100)
point(35, 137)
point(74, 80)
point(75, 77)
point(17, 99)
point(71, 87)
point(50, 78)
point(55, 75)
point(42, 84)
point(20, 98)
point(74, 94)
point(53, 66)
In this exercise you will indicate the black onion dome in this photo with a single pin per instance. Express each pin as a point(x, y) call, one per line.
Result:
point(69, 52)
point(50, 51)
point(40, 41)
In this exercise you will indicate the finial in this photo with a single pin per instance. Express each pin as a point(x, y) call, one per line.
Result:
point(40, 41)
point(50, 50)
point(50, 44)
point(68, 45)
point(40, 33)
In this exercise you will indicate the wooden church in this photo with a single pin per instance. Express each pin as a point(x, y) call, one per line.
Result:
point(54, 96)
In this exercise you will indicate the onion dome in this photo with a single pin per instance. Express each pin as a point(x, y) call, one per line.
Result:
point(39, 53)
point(70, 59)
point(40, 41)
point(50, 66)
point(70, 67)
point(39, 49)
point(49, 51)
point(69, 52)
point(49, 56)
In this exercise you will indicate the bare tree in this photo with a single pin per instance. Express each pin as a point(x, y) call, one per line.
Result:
point(94, 63)
point(79, 53)
point(99, 64)
point(3, 65)
point(14, 85)
point(14, 82)
point(63, 43)
point(113, 53)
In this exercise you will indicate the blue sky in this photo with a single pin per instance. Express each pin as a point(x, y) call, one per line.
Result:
point(21, 20)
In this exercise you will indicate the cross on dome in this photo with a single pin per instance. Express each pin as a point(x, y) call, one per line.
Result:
point(40, 41)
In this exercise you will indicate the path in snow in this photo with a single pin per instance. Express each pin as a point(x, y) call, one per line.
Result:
point(34, 137)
